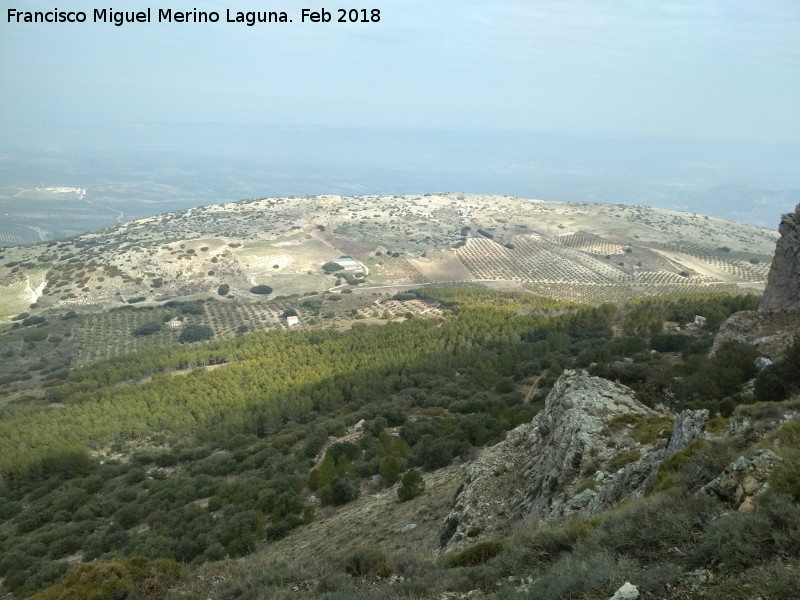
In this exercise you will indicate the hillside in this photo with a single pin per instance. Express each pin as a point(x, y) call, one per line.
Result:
point(438, 439)
point(571, 251)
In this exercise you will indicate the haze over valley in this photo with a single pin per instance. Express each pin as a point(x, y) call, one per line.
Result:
point(486, 300)
point(58, 181)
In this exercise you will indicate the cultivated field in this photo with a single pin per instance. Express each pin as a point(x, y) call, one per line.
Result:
point(590, 252)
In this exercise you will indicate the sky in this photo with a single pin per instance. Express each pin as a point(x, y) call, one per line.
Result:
point(721, 69)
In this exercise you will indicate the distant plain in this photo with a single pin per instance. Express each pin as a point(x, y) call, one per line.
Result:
point(56, 182)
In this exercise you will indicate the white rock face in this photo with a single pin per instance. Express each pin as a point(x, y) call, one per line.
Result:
point(628, 591)
point(578, 455)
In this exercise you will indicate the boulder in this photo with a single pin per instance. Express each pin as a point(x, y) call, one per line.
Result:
point(628, 591)
point(762, 362)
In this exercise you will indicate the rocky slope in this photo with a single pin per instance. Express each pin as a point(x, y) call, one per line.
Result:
point(775, 325)
point(783, 283)
point(592, 446)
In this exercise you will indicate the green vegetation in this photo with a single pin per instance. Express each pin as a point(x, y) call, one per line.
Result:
point(148, 328)
point(411, 485)
point(136, 577)
point(475, 555)
point(284, 393)
point(261, 289)
point(195, 333)
point(364, 562)
point(780, 380)
point(151, 455)
point(332, 267)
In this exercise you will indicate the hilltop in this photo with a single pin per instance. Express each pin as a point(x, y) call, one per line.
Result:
point(570, 251)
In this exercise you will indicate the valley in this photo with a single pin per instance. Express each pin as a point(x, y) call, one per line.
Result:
point(232, 402)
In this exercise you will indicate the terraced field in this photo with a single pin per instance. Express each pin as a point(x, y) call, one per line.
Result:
point(589, 243)
point(111, 333)
point(283, 243)
point(586, 268)
point(535, 258)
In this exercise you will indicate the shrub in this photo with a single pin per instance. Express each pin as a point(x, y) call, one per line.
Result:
point(693, 466)
point(624, 458)
point(223, 289)
point(148, 328)
point(33, 321)
point(411, 485)
point(785, 479)
point(331, 267)
point(779, 380)
point(261, 289)
point(578, 576)
point(652, 429)
point(741, 541)
point(647, 528)
point(669, 342)
point(474, 555)
point(342, 491)
point(789, 435)
point(401, 296)
point(37, 335)
point(716, 425)
point(367, 562)
point(196, 333)
point(137, 577)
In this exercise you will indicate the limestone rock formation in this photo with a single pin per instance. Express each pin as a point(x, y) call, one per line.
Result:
point(592, 446)
point(775, 325)
point(628, 591)
point(745, 478)
point(783, 284)
point(769, 333)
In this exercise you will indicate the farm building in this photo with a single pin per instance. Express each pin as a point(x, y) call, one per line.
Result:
point(174, 325)
point(292, 320)
point(348, 264)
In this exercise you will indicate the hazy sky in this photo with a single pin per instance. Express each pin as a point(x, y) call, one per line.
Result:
point(717, 69)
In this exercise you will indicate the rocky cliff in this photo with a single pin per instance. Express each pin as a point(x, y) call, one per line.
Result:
point(783, 284)
point(592, 446)
point(773, 328)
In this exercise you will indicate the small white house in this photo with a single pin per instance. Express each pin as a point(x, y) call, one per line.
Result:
point(292, 320)
point(174, 325)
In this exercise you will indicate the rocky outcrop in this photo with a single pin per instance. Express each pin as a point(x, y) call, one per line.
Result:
point(783, 284)
point(744, 479)
point(592, 446)
point(775, 325)
point(769, 333)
